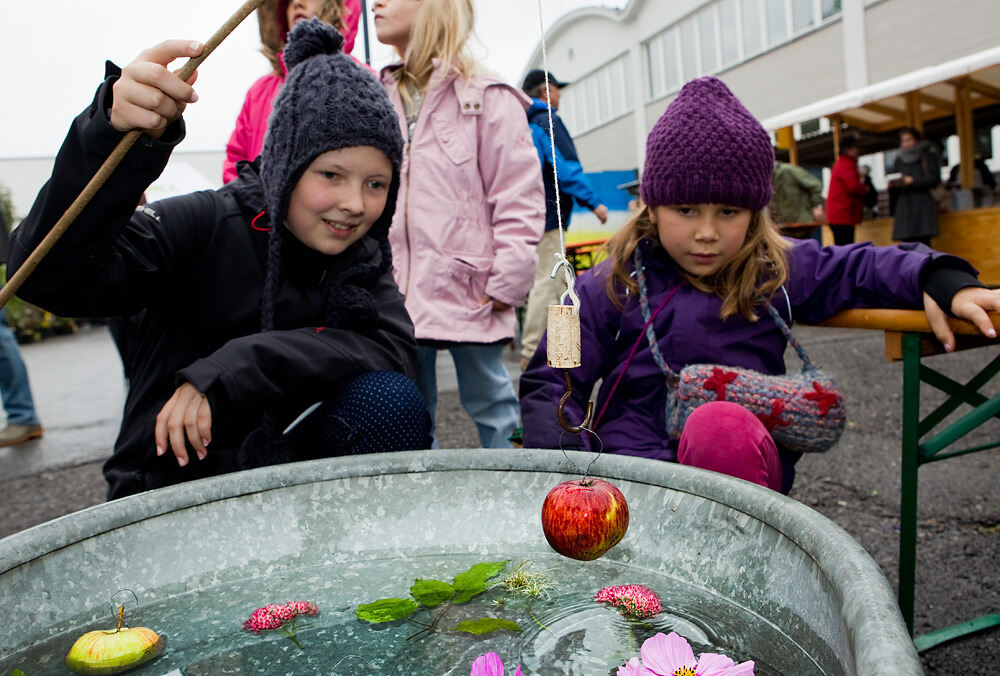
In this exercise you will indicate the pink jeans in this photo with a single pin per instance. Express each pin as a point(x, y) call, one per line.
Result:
point(725, 437)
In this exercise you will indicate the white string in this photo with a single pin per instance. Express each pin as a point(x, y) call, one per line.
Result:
point(561, 260)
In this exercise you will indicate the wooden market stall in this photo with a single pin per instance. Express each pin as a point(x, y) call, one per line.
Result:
point(945, 98)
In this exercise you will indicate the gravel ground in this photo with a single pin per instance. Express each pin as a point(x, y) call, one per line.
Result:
point(856, 485)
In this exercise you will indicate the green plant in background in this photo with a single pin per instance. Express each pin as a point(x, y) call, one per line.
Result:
point(441, 596)
point(29, 322)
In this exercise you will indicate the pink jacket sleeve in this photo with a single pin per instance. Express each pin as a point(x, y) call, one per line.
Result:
point(239, 141)
point(247, 139)
point(512, 181)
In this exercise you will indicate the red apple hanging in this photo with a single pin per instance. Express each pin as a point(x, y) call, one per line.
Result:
point(584, 518)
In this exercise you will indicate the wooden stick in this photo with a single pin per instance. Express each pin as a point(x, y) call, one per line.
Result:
point(114, 159)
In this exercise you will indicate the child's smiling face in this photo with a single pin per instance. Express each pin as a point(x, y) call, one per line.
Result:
point(339, 197)
point(701, 238)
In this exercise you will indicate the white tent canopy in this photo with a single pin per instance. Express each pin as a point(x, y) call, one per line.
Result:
point(883, 106)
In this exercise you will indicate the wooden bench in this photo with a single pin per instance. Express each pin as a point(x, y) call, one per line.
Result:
point(908, 338)
point(973, 234)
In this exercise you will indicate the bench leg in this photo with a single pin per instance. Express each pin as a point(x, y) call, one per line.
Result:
point(909, 477)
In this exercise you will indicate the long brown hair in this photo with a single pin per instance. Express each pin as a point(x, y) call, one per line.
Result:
point(273, 23)
point(757, 270)
point(441, 30)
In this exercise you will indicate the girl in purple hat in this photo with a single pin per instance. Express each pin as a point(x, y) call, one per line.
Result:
point(700, 264)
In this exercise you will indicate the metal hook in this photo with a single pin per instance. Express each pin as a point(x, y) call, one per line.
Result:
point(588, 416)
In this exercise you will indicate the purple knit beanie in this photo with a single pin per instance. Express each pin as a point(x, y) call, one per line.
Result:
point(707, 148)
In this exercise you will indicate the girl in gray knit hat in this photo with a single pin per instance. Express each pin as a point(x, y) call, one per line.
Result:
point(257, 300)
point(693, 279)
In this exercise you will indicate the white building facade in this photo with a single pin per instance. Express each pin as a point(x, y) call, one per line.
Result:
point(625, 66)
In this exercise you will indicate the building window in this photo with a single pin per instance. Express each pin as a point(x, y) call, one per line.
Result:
point(707, 41)
point(729, 32)
point(661, 57)
point(803, 15)
point(777, 22)
point(753, 32)
point(597, 98)
point(829, 8)
point(724, 33)
point(689, 50)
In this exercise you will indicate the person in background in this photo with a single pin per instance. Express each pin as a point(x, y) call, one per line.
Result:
point(984, 183)
point(869, 202)
point(275, 19)
point(798, 198)
point(471, 205)
point(573, 187)
point(689, 280)
point(915, 217)
point(258, 299)
point(15, 389)
point(844, 199)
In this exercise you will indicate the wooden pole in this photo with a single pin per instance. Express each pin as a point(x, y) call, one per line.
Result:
point(835, 124)
point(966, 138)
point(110, 164)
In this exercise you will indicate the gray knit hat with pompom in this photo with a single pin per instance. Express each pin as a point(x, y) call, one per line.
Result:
point(328, 101)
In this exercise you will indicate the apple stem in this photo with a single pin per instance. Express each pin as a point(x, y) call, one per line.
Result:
point(121, 617)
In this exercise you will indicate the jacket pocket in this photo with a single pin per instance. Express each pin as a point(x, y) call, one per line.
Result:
point(452, 142)
point(461, 282)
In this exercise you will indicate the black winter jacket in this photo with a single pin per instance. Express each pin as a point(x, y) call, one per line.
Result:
point(193, 267)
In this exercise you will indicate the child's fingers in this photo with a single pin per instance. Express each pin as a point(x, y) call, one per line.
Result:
point(175, 432)
point(978, 316)
point(146, 108)
point(973, 304)
point(168, 50)
point(166, 431)
point(938, 322)
point(197, 424)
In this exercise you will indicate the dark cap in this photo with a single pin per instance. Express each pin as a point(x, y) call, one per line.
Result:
point(537, 77)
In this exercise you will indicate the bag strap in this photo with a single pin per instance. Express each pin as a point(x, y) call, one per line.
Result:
point(807, 364)
point(644, 304)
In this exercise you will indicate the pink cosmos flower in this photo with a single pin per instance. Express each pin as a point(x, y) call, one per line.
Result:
point(671, 655)
point(634, 601)
point(490, 664)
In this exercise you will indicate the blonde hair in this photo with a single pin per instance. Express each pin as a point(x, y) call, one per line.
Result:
point(441, 30)
point(271, 19)
point(757, 270)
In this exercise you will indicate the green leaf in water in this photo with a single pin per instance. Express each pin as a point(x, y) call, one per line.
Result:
point(386, 610)
point(473, 581)
point(17, 672)
point(431, 592)
point(485, 625)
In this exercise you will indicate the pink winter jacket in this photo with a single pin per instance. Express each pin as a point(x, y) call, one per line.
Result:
point(247, 139)
point(470, 209)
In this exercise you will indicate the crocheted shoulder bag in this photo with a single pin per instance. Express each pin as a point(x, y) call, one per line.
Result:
point(804, 412)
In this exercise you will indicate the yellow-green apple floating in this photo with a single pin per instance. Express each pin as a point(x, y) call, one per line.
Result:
point(113, 651)
point(584, 518)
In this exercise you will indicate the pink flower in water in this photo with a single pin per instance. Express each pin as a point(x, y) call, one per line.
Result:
point(671, 655)
point(634, 601)
point(280, 617)
point(490, 664)
point(303, 608)
point(264, 618)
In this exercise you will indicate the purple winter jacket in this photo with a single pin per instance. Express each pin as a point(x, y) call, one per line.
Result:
point(822, 281)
